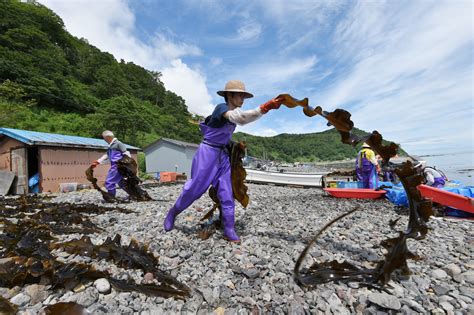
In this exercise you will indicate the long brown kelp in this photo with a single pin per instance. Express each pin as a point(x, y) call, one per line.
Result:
point(90, 177)
point(133, 256)
point(397, 250)
point(26, 254)
point(7, 308)
point(69, 308)
point(238, 173)
point(341, 120)
point(127, 167)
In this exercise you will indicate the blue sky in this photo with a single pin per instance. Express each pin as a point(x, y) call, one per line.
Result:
point(404, 68)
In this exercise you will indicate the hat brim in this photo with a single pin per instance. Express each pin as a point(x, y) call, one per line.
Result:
point(247, 94)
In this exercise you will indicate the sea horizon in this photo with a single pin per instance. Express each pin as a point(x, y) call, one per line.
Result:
point(456, 165)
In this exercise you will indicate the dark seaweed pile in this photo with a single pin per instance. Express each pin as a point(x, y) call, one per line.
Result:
point(28, 240)
point(397, 250)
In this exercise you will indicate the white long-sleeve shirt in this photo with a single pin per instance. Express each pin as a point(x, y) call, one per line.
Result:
point(240, 117)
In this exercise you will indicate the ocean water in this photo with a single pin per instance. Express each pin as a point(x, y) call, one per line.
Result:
point(457, 166)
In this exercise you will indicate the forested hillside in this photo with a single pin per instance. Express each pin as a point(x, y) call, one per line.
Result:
point(311, 147)
point(54, 82)
point(51, 81)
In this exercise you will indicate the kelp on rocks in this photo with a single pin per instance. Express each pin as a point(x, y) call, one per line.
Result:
point(397, 250)
point(61, 218)
point(133, 256)
point(7, 308)
point(26, 256)
point(69, 308)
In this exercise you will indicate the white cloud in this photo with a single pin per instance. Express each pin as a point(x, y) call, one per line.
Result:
point(110, 25)
point(190, 84)
point(300, 23)
point(267, 132)
point(403, 68)
point(248, 32)
point(216, 61)
point(412, 72)
point(271, 77)
point(171, 50)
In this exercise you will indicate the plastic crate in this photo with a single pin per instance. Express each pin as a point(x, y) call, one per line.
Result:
point(67, 187)
point(166, 177)
point(349, 185)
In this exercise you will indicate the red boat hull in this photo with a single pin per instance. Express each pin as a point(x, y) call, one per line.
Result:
point(447, 198)
point(359, 193)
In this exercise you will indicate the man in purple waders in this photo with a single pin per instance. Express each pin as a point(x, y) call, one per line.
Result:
point(366, 167)
point(115, 152)
point(211, 163)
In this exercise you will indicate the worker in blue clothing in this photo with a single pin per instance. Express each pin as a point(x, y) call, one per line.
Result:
point(211, 163)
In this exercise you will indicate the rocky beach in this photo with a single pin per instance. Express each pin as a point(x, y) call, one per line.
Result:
point(256, 276)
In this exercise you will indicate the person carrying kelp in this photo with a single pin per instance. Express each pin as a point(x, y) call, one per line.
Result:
point(211, 164)
point(115, 153)
point(366, 167)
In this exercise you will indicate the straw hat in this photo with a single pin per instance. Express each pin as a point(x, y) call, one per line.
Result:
point(235, 86)
point(365, 145)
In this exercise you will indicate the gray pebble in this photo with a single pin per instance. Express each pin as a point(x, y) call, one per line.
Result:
point(257, 275)
point(468, 276)
point(385, 300)
point(102, 285)
point(452, 269)
point(88, 297)
point(20, 299)
point(439, 274)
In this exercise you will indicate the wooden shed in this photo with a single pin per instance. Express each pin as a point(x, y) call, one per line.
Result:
point(57, 159)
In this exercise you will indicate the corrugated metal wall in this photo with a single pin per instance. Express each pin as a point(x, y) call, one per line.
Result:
point(68, 165)
point(164, 156)
point(63, 165)
point(56, 165)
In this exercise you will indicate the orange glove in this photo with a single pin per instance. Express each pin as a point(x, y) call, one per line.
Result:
point(94, 164)
point(271, 104)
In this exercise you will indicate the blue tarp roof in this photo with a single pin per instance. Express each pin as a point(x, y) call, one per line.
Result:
point(53, 139)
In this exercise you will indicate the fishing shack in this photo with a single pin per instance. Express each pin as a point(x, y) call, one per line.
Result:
point(169, 155)
point(52, 160)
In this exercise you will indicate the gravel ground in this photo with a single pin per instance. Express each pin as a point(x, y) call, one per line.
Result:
point(256, 276)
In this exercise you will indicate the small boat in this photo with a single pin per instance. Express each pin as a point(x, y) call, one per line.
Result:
point(447, 198)
point(284, 178)
point(359, 193)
